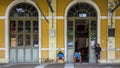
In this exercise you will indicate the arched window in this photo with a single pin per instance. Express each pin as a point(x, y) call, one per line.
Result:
point(24, 33)
point(82, 10)
point(23, 10)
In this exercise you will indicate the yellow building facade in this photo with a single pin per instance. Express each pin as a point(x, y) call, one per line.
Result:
point(36, 30)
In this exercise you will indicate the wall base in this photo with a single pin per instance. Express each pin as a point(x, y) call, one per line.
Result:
point(3, 60)
point(109, 61)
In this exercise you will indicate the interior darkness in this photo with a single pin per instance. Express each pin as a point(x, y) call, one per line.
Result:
point(81, 38)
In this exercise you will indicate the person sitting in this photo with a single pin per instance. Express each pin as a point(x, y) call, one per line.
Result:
point(60, 56)
point(77, 57)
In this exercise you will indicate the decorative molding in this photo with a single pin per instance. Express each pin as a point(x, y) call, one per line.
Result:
point(51, 48)
point(62, 17)
point(48, 17)
point(55, 17)
point(110, 49)
point(2, 17)
point(110, 61)
point(2, 48)
point(106, 17)
point(3, 60)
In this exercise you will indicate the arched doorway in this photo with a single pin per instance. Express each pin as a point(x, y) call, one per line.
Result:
point(23, 33)
point(81, 31)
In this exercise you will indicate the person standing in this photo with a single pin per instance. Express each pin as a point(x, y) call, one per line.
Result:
point(97, 51)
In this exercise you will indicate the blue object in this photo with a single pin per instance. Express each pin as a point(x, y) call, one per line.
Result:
point(77, 55)
point(60, 55)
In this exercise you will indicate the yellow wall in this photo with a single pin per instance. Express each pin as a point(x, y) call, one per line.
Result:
point(44, 56)
point(43, 6)
point(117, 54)
point(103, 38)
point(61, 6)
point(45, 34)
point(2, 33)
point(102, 4)
point(44, 53)
point(117, 11)
point(3, 6)
point(2, 54)
point(103, 54)
point(60, 33)
point(104, 33)
point(117, 33)
point(117, 38)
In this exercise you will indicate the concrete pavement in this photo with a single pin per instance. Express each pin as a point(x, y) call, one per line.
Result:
point(82, 65)
point(19, 65)
point(61, 65)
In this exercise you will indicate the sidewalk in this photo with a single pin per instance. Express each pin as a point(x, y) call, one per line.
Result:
point(80, 65)
point(19, 65)
point(60, 65)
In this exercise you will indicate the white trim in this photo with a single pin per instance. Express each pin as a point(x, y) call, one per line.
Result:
point(110, 49)
point(55, 17)
point(51, 48)
point(62, 17)
point(2, 48)
point(107, 17)
point(65, 21)
point(7, 25)
point(104, 17)
point(113, 61)
point(2, 17)
point(40, 38)
point(48, 17)
point(2, 60)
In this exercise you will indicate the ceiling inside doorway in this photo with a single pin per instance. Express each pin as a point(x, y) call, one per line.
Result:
point(81, 28)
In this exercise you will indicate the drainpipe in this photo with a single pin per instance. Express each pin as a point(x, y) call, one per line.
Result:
point(49, 4)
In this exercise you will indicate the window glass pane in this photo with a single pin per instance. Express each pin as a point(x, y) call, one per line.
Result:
point(72, 9)
point(35, 13)
point(35, 26)
point(93, 25)
point(27, 26)
point(12, 26)
point(20, 26)
point(23, 29)
point(70, 27)
point(82, 10)
point(70, 33)
point(27, 40)
point(12, 40)
point(20, 40)
point(70, 14)
point(23, 10)
point(35, 40)
point(83, 15)
point(93, 29)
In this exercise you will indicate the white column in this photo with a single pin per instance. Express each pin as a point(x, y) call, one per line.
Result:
point(52, 32)
point(111, 39)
